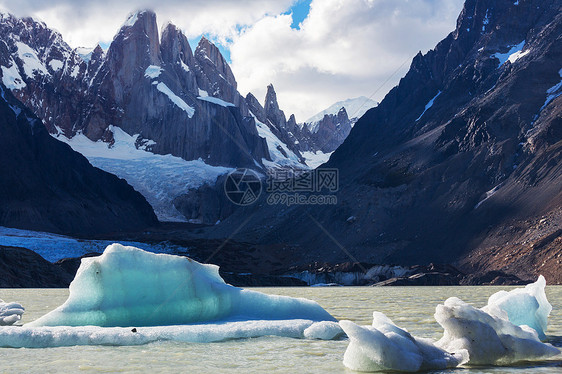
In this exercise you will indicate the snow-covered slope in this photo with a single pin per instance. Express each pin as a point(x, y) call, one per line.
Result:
point(160, 178)
point(355, 108)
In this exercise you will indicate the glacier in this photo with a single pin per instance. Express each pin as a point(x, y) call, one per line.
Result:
point(159, 178)
point(127, 286)
point(10, 313)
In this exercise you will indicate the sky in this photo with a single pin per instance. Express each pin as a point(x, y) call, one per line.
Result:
point(314, 52)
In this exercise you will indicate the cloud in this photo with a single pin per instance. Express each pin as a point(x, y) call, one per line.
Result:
point(345, 48)
point(87, 22)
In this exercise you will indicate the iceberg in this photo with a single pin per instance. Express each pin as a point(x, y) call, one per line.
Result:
point(10, 313)
point(489, 340)
point(385, 346)
point(506, 331)
point(64, 336)
point(127, 286)
point(523, 306)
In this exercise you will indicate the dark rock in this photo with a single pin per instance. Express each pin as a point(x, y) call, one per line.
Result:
point(46, 186)
point(493, 278)
point(22, 267)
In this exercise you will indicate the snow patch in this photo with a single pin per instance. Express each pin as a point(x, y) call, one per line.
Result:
point(553, 92)
point(12, 78)
point(315, 159)
point(275, 146)
point(56, 64)
point(84, 53)
point(488, 195)
point(31, 62)
point(75, 71)
point(429, 105)
point(184, 66)
point(131, 20)
point(175, 99)
point(153, 72)
point(512, 55)
point(215, 100)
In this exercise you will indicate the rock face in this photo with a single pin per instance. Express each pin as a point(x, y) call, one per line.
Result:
point(462, 157)
point(181, 104)
point(47, 186)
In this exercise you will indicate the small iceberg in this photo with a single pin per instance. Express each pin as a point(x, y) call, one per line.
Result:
point(506, 331)
point(10, 313)
point(385, 346)
point(489, 340)
point(523, 306)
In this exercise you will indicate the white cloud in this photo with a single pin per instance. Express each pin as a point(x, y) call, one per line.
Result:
point(87, 22)
point(345, 48)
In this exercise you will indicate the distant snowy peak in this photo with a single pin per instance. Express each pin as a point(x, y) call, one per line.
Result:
point(355, 108)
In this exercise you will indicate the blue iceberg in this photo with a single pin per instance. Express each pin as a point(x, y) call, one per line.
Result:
point(127, 286)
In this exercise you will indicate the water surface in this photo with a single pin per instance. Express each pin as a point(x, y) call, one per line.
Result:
point(409, 307)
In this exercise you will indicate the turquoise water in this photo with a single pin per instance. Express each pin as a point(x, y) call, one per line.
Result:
point(409, 307)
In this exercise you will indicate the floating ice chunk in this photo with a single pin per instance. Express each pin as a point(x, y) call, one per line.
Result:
point(64, 336)
point(127, 286)
point(10, 313)
point(325, 330)
point(385, 346)
point(523, 306)
point(489, 340)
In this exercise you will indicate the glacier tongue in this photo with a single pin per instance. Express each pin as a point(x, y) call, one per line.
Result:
point(127, 286)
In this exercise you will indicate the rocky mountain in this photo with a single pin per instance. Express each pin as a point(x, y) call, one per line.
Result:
point(45, 185)
point(460, 163)
point(313, 141)
point(159, 109)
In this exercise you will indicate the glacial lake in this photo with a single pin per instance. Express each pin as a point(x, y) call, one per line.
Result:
point(409, 307)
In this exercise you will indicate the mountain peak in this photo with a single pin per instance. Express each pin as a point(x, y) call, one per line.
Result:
point(208, 53)
point(139, 16)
